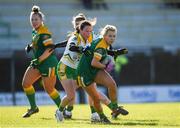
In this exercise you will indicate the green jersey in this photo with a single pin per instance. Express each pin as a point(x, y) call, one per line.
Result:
point(87, 73)
point(41, 38)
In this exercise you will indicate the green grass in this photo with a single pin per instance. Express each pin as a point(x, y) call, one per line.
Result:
point(156, 115)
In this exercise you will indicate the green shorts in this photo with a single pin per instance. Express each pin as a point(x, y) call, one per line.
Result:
point(48, 67)
point(86, 74)
point(65, 72)
point(84, 81)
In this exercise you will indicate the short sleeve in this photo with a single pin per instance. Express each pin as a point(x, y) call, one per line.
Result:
point(73, 40)
point(46, 39)
point(98, 53)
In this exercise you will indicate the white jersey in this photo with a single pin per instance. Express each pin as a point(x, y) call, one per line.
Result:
point(70, 58)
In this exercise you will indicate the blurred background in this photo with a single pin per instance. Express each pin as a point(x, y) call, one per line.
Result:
point(149, 29)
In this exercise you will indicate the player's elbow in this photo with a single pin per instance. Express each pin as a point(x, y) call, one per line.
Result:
point(93, 63)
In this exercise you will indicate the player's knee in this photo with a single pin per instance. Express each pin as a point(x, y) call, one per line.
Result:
point(96, 100)
point(25, 84)
point(49, 90)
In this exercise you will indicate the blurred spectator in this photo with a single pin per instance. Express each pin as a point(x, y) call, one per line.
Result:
point(94, 4)
point(172, 3)
point(88, 4)
point(100, 3)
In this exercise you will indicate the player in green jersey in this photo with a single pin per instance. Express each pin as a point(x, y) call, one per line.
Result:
point(91, 70)
point(43, 64)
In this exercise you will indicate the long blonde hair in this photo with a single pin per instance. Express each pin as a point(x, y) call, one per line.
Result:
point(108, 28)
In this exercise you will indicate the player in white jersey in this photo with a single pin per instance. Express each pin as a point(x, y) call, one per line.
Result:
point(77, 44)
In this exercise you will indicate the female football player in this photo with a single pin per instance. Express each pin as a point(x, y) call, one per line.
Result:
point(91, 70)
point(43, 64)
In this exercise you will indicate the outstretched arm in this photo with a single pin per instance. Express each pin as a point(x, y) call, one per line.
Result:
point(117, 52)
point(62, 44)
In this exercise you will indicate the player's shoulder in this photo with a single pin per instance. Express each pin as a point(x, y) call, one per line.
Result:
point(73, 38)
point(101, 44)
point(44, 30)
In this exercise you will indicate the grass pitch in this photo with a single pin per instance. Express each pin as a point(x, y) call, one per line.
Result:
point(156, 115)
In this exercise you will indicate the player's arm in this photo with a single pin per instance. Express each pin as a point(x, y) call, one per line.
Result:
point(97, 64)
point(96, 59)
point(117, 52)
point(47, 43)
point(80, 49)
point(58, 45)
point(37, 61)
point(48, 51)
point(74, 48)
point(73, 45)
point(45, 55)
point(61, 44)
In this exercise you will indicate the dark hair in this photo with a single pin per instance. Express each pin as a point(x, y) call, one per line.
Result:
point(83, 24)
point(36, 10)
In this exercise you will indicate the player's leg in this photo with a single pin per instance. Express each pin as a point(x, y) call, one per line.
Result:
point(70, 93)
point(103, 99)
point(31, 75)
point(49, 83)
point(67, 113)
point(94, 115)
point(68, 110)
point(105, 79)
point(65, 75)
point(93, 93)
